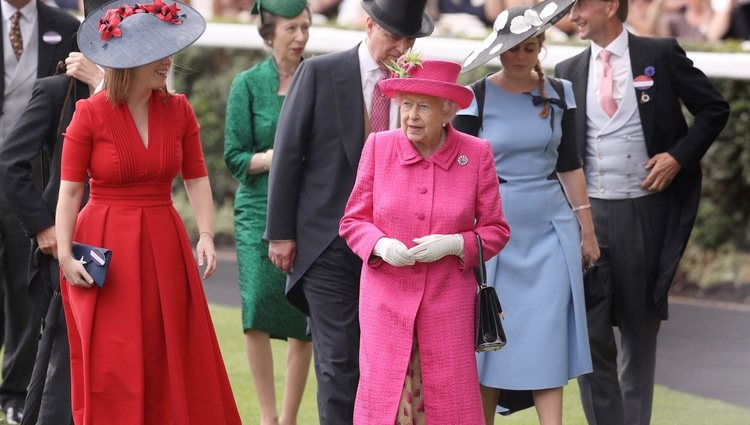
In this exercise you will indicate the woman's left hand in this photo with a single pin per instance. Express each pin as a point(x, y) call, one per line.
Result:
point(589, 250)
point(206, 253)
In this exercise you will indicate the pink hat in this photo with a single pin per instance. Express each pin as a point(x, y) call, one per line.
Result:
point(433, 78)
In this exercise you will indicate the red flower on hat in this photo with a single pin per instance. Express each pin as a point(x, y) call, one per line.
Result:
point(110, 22)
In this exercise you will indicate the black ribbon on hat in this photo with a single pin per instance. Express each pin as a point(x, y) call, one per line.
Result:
point(539, 100)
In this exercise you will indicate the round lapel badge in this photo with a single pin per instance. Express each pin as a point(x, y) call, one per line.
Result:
point(462, 160)
point(643, 82)
point(52, 37)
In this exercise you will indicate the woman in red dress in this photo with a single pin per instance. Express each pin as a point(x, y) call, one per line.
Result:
point(143, 348)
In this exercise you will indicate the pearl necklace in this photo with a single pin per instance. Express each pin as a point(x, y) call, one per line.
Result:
point(442, 141)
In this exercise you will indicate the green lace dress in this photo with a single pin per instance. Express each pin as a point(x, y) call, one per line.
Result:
point(252, 113)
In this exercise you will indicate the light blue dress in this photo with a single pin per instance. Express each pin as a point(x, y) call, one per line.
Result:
point(538, 275)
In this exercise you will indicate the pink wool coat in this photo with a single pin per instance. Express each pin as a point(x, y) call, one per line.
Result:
point(398, 194)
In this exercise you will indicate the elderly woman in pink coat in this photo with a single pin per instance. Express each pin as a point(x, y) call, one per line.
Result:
point(422, 194)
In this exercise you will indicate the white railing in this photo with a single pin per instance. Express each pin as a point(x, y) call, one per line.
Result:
point(327, 39)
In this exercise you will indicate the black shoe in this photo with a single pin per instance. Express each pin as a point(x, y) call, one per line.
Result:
point(13, 415)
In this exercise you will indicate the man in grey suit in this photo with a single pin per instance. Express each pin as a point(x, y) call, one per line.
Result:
point(326, 116)
point(642, 166)
point(35, 38)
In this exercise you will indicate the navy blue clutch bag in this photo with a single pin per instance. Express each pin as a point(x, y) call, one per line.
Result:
point(94, 259)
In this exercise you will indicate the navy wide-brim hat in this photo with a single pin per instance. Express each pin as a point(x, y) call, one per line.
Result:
point(144, 37)
point(401, 17)
point(515, 25)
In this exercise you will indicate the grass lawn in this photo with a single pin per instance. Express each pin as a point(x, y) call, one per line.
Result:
point(670, 407)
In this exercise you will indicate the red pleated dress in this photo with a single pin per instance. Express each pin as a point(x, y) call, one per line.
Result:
point(143, 348)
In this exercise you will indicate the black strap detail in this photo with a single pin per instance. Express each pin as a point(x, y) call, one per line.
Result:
point(560, 102)
point(470, 124)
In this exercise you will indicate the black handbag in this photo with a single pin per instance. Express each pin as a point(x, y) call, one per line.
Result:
point(94, 259)
point(490, 335)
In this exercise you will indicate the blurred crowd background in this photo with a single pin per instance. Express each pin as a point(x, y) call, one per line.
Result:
point(688, 20)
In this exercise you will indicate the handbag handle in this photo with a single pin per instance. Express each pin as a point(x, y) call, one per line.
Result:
point(480, 271)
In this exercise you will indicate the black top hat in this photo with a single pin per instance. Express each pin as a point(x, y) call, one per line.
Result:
point(515, 25)
point(116, 37)
point(401, 17)
point(91, 5)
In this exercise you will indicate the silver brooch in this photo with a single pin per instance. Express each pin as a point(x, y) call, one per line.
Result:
point(463, 160)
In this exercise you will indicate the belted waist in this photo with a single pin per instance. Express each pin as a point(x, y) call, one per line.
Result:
point(135, 195)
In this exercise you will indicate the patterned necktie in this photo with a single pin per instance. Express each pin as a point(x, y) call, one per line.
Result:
point(16, 41)
point(606, 97)
point(380, 109)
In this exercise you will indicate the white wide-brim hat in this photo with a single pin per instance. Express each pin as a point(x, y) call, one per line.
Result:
point(515, 25)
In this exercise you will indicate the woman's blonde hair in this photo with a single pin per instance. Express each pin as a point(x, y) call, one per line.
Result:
point(117, 82)
point(540, 74)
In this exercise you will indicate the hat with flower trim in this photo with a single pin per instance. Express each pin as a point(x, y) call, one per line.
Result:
point(515, 25)
point(284, 8)
point(127, 35)
point(429, 77)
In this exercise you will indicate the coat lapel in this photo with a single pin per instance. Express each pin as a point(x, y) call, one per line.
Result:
point(640, 58)
point(46, 63)
point(579, 73)
point(347, 86)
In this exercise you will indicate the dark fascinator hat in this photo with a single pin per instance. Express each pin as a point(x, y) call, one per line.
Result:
point(402, 17)
point(284, 8)
point(124, 35)
point(515, 25)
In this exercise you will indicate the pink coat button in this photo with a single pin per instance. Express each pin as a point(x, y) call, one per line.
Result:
point(420, 216)
point(425, 165)
point(422, 189)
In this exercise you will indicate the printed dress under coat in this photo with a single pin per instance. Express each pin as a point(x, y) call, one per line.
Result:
point(538, 275)
point(253, 110)
point(143, 348)
point(399, 194)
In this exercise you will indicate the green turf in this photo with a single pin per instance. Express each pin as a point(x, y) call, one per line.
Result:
point(670, 407)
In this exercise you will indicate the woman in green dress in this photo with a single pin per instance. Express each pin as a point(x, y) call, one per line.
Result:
point(252, 113)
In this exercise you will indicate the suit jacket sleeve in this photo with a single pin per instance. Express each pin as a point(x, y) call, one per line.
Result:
point(35, 127)
point(290, 144)
point(704, 102)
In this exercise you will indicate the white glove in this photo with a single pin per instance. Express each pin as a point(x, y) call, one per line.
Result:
point(434, 247)
point(393, 252)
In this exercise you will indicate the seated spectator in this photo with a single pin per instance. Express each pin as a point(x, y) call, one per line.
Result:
point(739, 26)
point(697, 20)
point(327, 8)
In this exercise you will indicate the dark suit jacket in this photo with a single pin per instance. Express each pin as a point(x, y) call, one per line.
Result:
point(318, 142)
point(35, 133)
point(48, 19)
point(676, 80)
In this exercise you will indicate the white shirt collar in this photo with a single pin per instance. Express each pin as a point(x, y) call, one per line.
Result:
point(29, 11)
point(366, 62)
point(617, 47)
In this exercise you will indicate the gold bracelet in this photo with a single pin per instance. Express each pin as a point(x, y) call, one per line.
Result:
point(211, 235)
point(264, 161)
point(581, 207)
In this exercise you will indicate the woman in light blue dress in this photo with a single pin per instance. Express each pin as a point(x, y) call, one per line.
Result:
point(538, 276)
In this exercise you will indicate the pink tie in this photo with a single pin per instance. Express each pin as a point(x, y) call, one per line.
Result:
point(606, 99)
point(380, 109)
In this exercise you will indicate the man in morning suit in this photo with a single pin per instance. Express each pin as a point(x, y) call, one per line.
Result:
point(40, 129)
point(331, 107)
point(35, 38)
point(642, 167)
